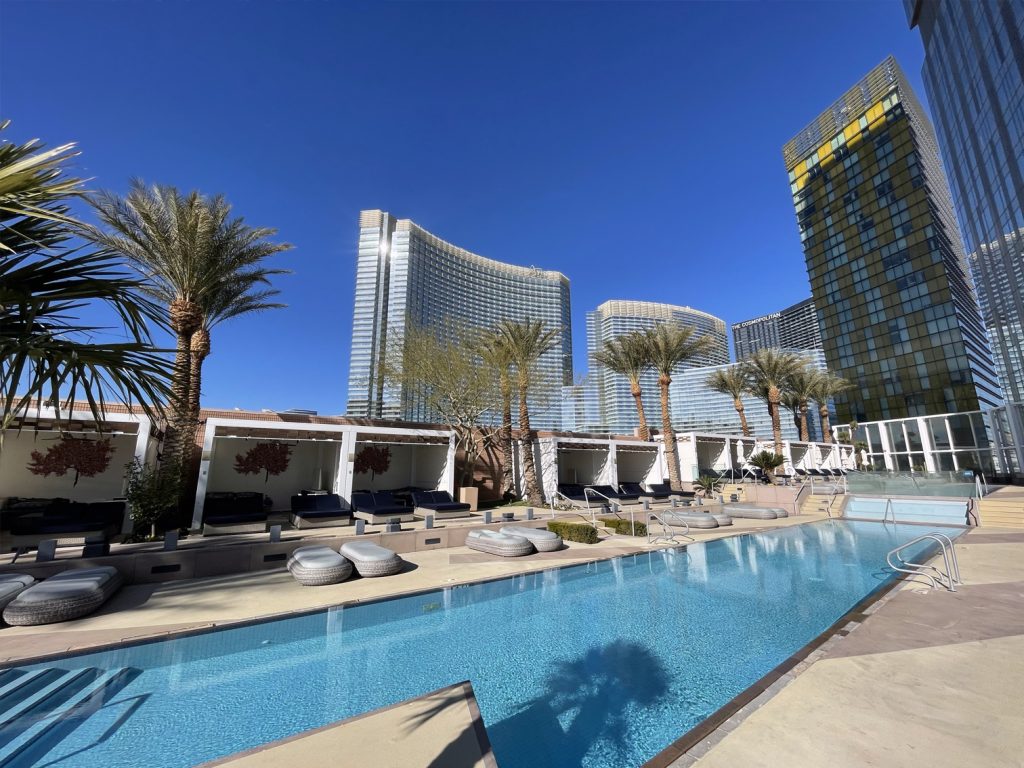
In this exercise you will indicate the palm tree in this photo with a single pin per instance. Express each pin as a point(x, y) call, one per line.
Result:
point(47, 354)
point(800, 389)
point(246, 293)
point(732, 381)
point(526, 342)
point(769, 371)
point(668, 347)
point(192, 257)
point(495, 353)
point(628, 355)
point(828, 386)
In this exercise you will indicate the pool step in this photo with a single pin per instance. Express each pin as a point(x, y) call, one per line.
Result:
point(1001, 513)
point(34, 703)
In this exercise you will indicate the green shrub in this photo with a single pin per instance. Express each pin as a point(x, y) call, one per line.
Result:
point(623, 526)
point(581, 532)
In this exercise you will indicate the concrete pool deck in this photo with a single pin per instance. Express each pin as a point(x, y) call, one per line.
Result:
point(928, 678)
point(142, 611)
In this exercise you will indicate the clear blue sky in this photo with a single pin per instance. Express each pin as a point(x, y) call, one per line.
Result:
point(635, 147)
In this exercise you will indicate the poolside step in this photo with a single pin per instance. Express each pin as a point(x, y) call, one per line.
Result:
point(1001, 513)
point(37, 701)
point(734, 488)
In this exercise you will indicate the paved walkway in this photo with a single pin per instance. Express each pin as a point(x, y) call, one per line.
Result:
point(932, 678)
point(156, 610)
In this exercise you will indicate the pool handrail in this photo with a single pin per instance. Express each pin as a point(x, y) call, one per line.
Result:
point(947, 579)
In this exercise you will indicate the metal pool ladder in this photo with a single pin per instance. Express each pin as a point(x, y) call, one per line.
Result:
point(947, 579)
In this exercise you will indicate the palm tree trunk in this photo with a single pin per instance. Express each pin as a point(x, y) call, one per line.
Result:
point(738, 405)
point(199, 347)
point(508, 480)
point(533, 492)
point(185, 318)
point(645, 432)
point(826, 427)
point(774, 398)
point(669, 436)
point(805, 434)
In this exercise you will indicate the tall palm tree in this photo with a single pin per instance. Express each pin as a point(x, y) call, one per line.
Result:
point(628, 356)
point(495, 353)
point(669, 346)
point(47, 354)
point(828, 386)
point(800, 389)
point(769, 371)
point(527, 341)
point(732, 381)
point(187, 249)
point(245, 294)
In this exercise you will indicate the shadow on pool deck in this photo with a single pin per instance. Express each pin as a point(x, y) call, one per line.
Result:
point(595, 690)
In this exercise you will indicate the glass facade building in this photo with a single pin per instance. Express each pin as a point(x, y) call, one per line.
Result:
point(888, 275)
point(795, 327)
point(974, 76)
point(696, 408)
point(616, 407)
point(407, 276)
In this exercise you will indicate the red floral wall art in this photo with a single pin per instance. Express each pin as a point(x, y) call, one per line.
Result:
point(87, 458)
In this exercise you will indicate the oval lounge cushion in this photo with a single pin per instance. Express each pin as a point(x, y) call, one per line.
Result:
point(316, 557)
point(68, 595)
point(11, 584)
point(534, 534)
point(365, 551)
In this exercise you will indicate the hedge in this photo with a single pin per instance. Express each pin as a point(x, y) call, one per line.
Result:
point(581, 532)
point(620, 525)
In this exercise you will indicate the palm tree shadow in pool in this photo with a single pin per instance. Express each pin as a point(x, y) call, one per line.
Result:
point(584, 701)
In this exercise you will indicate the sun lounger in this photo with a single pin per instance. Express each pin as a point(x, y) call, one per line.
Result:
point(12, 585)
point(318, 510)
point(371, 560)
point(542, 540)
point(692, 519)
point(68, 595)
point(637, 490)
point(440, 504)
point(316, 566)
point(380, 507)
point(608, 493)
point(502, 544)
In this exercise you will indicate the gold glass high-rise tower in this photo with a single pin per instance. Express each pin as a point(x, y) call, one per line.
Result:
point(898, 315)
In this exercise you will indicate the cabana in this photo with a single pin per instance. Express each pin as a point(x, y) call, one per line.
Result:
point(638, 463)
point(283, 459)
point(68, 482)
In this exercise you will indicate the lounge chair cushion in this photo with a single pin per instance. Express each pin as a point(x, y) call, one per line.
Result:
point(68, 595)
point(692, 519)
point(318, 565)
point(543, 540)
point(496, 543)
point(371, 559)
point(11, 585)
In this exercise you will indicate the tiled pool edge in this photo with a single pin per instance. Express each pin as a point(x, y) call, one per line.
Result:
point(207, 627)
point(696, 742)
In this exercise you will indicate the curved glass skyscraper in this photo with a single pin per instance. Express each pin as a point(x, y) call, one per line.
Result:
point(405, 275)
point(617, 410)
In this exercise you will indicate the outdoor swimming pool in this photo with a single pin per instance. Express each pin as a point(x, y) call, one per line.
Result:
point(596, 665)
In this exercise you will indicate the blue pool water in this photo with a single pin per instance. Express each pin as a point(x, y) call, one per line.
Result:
point(599, 665)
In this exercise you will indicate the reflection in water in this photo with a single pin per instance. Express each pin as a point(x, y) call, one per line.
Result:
point(585, 707)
